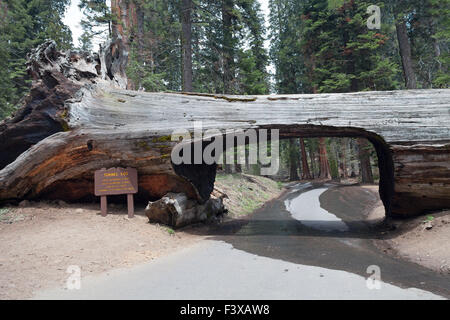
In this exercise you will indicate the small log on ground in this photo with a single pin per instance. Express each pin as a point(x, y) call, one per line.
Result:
point(177, 210)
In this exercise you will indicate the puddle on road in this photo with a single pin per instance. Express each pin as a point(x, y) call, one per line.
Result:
point(306, 208)
point(300, 186)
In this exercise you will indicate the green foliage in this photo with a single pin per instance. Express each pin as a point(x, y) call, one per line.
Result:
point(251, 79)
point(144, 76)
point(333, 4)
point(241, 45)
point(285, 28)
point(440, 13)
point(170, 231)
point(325, 46)
point(155, 61)
point(345, 54)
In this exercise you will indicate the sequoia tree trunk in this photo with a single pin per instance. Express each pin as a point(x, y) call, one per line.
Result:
point(126, 15)
point(364, 160)
point(186, 45)
point(306, 175)
point(405, 53)
point(140, 20)
point(293, 159)
point(325, 172)
point(228, 51)
point(313, 160)
point(343, 153)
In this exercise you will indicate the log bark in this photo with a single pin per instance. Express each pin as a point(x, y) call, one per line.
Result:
point(177, 210)
point(77, 119)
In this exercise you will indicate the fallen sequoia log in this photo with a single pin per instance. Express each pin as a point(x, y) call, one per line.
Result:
point(77, 119)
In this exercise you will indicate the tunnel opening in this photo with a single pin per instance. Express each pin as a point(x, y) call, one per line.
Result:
point(203, 175)
point(383, 152)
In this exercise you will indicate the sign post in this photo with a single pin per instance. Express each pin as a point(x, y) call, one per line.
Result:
point(116, 181)
point(130, 203)
point(104, 205)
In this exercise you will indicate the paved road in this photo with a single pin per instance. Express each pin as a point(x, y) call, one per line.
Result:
point(290, 249)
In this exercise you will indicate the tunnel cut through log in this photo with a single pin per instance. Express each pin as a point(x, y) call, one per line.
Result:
point(202, 175)
point(384, 154)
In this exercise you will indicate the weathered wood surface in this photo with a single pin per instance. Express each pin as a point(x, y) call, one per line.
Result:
point(103, 126)
point(411, 117)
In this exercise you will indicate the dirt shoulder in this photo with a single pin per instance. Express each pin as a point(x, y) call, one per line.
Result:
point(424, 240)
point(40, 240)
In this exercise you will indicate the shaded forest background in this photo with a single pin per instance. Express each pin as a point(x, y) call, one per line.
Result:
point(316, 46)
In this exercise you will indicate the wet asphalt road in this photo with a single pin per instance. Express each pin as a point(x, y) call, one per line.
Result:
point(271, 255)
point(273, 232)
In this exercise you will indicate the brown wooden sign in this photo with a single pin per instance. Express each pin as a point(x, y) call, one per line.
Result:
point(116, 181)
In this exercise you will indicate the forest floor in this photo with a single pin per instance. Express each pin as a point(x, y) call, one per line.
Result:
point(424, 239)
point(40, 240)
